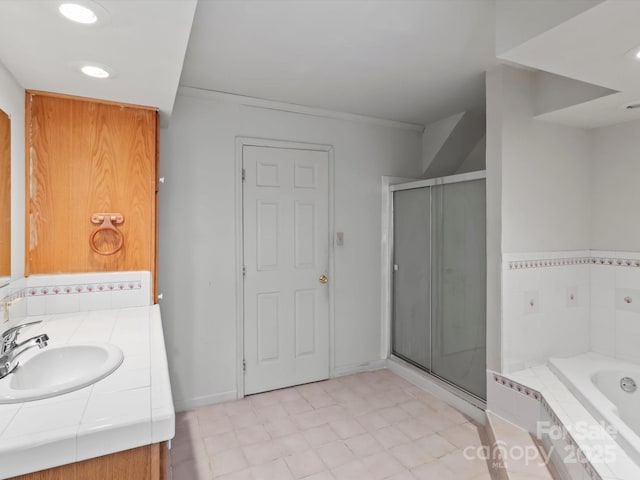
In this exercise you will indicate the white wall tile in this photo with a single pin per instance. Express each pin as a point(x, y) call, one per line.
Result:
point(628, 336)
point(627, 299)
point(554, 325)
point(603, 330)
point(627, 277)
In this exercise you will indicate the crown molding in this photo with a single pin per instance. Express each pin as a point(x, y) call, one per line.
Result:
point(293, 108)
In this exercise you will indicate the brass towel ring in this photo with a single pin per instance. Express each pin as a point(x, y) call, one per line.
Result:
point(106, 222)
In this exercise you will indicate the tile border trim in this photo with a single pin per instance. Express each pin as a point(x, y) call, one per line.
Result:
point(592, 259)
point(525, 391)
point(70, 289)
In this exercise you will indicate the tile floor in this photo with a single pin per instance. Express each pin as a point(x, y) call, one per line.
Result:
point(371, 425)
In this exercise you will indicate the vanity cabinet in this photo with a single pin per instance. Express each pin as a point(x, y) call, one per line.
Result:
point(143, 463)
point(84, 157)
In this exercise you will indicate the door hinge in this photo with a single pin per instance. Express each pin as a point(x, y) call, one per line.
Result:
point(244, 174)
point(244, 270)
point(244, 365)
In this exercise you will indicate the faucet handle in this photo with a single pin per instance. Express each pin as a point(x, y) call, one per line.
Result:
point(9, 336)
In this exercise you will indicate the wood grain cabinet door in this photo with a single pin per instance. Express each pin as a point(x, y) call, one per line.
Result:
point(83, 157)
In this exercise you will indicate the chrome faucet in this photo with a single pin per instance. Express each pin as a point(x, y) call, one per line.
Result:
point(10, 350)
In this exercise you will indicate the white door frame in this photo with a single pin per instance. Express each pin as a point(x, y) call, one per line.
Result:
point(239, 208)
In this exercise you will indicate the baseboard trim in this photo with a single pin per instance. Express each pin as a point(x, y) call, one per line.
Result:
point(359, 367)
point(427, 383)
point(196, 402)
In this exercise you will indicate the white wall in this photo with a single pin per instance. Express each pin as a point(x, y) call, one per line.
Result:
point(197, 233)
point(435, 135)
point(12, 102)
point(545, 174)
point(538, 201)
point(615, 170)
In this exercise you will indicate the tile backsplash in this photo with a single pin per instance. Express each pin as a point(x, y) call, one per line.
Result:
point(78, 292)
point(565, 303)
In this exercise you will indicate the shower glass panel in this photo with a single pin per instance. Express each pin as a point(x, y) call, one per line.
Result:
point(411, 335)
point(458, 291)
point(439, 282)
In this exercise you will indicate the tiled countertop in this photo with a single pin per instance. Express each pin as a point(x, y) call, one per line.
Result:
point(129, 408)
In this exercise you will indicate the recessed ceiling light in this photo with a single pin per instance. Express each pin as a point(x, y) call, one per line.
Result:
point(78, 13)
point(95, 71)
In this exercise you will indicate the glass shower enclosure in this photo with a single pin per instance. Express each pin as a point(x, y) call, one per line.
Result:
point(439, 279)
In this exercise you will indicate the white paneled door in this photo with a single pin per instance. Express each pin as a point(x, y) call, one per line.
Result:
point(286, 260)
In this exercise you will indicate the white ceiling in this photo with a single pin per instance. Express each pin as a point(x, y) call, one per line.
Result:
point(598, 47)
point(412, 61)
point(407, 60)
point(144, 41)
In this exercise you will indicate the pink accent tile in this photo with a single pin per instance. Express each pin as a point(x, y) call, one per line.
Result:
point(287, 395)
point(372, 421)
point(188, 450)
point(321, 476)
point(436, 445)
point(253, 434)
point(462, 436)
point(215, 426)
point(344, 395)
point(355, 470)
point(335, 454)
point(347, 428)
point(241, 475)
point(308, 420)
point(382, 465)
point(200, 470)
point(305, 463)
point(269, 412)
point(463, 466)
point(280, 427)
point(293, 443)
point(406, 475)
point(416, 408)
point(389, 437)
point(411, 455)
point(433, 470)
point(320, 400)
point(228, 461)
point(220, 442)
point(274, 470)
point(332, 413)
point(310, 390)
point(415, 428)
point(318, 436)
point(263, 399)
point(394, 414)
point(263, 452)
point(239, 407)
point(363, 445)
point(247, 420)
point(299, 405)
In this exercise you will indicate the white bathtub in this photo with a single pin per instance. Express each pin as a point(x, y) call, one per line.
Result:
point(595, 380)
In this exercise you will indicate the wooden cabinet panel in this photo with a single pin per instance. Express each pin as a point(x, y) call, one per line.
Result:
point(143, 463)
point(85, 157)
point(5, 195)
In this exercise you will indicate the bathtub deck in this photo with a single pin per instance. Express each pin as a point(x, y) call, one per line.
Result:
point(571, 412)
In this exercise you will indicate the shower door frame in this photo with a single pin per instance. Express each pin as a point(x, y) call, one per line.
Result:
point(389, 312)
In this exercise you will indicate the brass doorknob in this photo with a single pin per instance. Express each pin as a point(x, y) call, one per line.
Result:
point(323, 279)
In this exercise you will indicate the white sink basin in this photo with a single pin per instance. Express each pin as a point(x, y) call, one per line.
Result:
point(56, 370)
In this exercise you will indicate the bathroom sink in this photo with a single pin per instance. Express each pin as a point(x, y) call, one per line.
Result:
point(56, 370)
